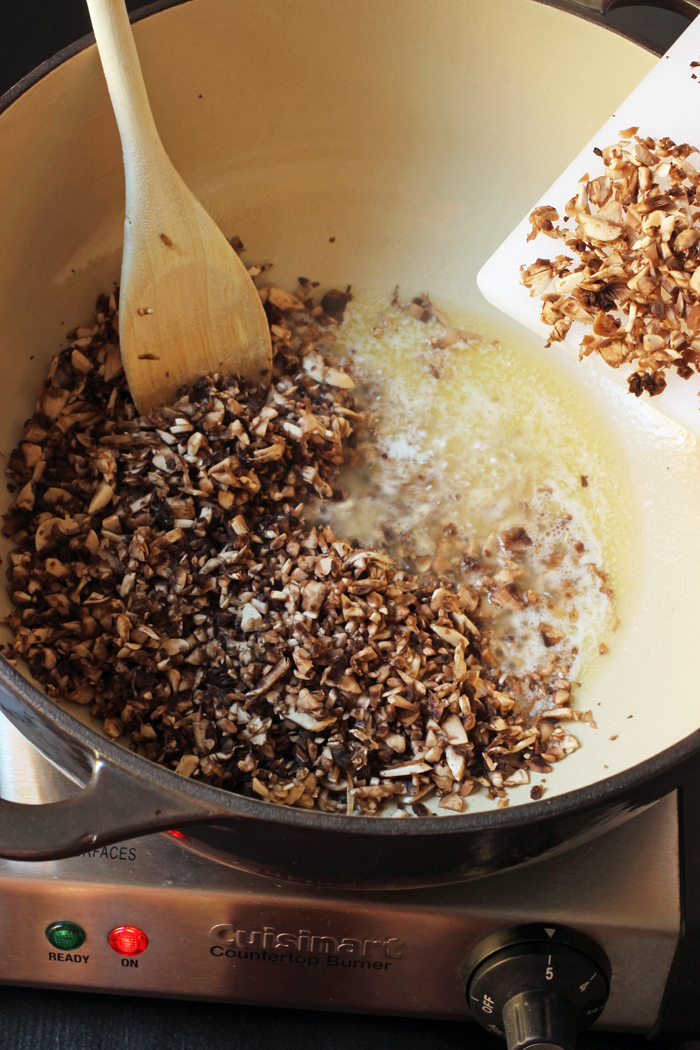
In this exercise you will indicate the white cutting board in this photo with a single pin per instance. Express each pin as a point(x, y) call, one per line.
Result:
point(666, 103)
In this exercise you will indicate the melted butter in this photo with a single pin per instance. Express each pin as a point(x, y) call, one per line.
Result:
point(485, 436)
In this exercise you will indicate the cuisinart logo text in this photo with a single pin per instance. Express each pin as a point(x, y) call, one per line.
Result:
point(303, 947)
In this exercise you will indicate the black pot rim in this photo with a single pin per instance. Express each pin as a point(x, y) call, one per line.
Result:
point(232, 805)
point(40, 71)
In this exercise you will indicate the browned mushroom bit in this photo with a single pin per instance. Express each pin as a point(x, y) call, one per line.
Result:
point(632, 276)
point(164, 576)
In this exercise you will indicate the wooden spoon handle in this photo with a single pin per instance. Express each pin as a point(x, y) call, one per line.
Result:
point(120, 62)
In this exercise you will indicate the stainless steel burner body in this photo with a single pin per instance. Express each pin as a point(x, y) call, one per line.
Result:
point(220, 934)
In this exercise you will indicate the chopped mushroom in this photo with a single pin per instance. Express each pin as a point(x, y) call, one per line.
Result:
point(634, 280)
point(550, 635)
point(165, 577)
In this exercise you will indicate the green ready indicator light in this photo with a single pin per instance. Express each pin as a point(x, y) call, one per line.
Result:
point(65, 935)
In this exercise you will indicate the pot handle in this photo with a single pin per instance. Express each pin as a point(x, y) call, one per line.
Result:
point(115, 804)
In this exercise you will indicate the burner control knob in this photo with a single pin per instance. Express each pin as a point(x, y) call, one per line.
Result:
point(538, 985)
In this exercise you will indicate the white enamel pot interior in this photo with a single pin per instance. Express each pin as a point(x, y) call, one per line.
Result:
point(416, 134)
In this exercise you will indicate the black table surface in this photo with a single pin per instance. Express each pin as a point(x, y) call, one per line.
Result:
point(36, 1019)
point(32, 1019)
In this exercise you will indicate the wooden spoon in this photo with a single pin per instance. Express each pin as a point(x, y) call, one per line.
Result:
point(187, 306)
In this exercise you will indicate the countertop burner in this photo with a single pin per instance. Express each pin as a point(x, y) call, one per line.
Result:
point(151, 917)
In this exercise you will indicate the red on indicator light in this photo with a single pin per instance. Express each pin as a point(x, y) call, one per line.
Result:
point(179, 835)
point(128, 940)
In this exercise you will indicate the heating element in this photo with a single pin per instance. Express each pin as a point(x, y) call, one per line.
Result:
point(152, 917)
